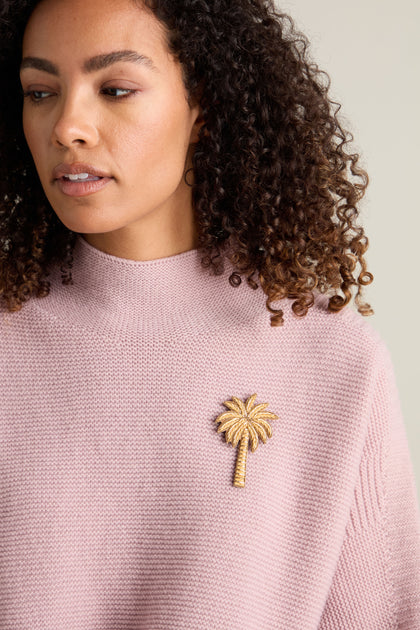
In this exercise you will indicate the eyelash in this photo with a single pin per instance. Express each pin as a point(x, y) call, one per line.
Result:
point(29, 94)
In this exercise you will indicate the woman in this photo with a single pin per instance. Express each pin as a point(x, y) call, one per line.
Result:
point(163, 150)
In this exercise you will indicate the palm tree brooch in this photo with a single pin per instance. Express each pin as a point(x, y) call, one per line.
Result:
point(244, 422)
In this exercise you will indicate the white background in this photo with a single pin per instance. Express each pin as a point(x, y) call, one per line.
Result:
point(370, 49)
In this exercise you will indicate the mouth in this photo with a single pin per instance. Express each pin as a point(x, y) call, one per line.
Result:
point(78, 171)
point(82, 187)
point(89, 178)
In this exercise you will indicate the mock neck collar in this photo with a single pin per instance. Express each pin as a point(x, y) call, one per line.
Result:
point(112, 295)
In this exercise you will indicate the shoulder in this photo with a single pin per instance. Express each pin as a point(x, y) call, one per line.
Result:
point(345, 339)
point(346, 332)
point(347, 324)
point(340, 330)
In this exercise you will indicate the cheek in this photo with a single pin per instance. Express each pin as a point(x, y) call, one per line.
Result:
point(156, 144)
point(27, 128)
point(35, 139)
point(32, 133)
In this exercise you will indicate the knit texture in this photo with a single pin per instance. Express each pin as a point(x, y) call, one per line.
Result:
point(117, 504)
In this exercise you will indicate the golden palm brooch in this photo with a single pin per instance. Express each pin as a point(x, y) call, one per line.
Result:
point(245, 423)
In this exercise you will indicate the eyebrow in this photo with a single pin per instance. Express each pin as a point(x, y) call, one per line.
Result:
point(93, 64)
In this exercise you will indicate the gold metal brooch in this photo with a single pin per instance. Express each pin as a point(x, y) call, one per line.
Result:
point(245, 423)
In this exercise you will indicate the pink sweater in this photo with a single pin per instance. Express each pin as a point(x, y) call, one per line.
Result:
point(117, 504)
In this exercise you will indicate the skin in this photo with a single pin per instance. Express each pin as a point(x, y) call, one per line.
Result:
point(144, 141)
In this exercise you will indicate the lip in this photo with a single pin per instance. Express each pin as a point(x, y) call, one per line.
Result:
point(76, 168)
point(82, 188)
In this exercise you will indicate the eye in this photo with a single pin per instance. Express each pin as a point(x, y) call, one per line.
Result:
point(34, 95)
point(37, 96)
point(117, 89)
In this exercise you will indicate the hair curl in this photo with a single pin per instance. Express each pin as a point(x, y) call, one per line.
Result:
point(270, 168)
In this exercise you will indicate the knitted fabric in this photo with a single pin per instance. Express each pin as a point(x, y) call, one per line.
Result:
point(117, 504)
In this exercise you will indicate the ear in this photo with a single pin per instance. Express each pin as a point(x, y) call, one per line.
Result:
point(198, 113)
point(199, 121)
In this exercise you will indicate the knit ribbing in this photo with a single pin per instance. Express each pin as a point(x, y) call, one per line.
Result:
point(117, 504)
point(172, 295)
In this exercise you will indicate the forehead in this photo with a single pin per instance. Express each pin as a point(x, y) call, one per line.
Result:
point(83, 28)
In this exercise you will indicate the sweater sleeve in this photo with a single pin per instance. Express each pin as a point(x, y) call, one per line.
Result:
point(376, 585)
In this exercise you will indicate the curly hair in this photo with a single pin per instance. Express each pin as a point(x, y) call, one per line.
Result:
point(270, 166)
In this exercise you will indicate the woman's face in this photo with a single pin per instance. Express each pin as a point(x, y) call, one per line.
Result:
point(130, 119)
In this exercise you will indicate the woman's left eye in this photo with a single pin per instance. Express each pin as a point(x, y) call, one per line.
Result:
point(112, 89)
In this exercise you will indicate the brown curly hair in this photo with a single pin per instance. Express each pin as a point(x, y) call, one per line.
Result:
point(270, 169)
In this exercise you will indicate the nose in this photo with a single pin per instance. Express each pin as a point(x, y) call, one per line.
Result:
point(75, 124)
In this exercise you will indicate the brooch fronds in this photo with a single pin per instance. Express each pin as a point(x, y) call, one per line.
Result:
point(245, 423)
